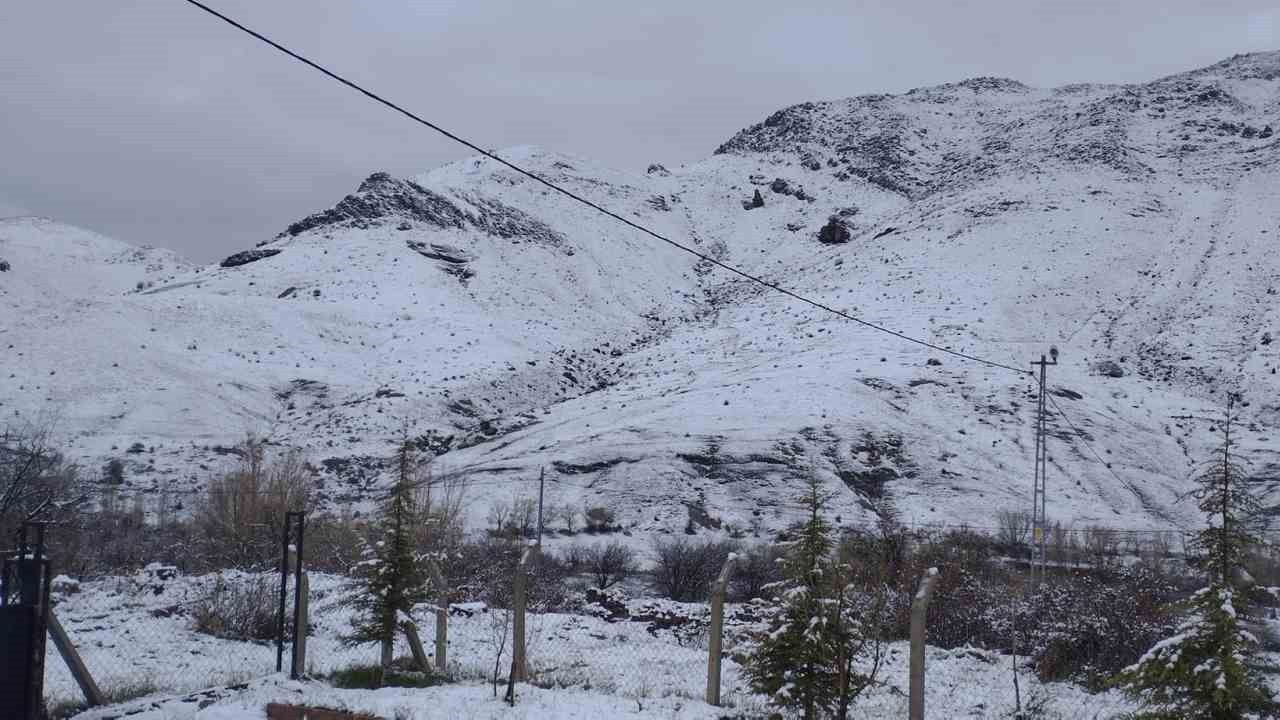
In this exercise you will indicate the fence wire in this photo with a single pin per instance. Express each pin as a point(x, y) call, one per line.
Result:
point(159, 632)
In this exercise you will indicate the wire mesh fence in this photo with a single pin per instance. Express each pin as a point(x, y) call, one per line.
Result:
point(158, 632)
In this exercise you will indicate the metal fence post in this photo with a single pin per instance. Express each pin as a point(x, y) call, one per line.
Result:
point(919, 610)
point(715, 642)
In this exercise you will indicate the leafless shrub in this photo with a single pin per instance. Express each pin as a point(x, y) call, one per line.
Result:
point(36, 482)
point(241, 516)
point(610, 564)
point(755, 570)
point(1013, 528)
point(685, 568)
point(237, 609)
point(599, 519)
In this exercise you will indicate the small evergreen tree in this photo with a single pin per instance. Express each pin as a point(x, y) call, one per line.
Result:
point(800, 662)
point(1203, 670)
point(390, 579)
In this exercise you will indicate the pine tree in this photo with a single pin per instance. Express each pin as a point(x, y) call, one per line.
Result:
point(796, 663)
point(1203, 671)
point(391, 579)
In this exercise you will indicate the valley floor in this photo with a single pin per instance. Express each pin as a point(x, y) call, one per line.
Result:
point(135, 634)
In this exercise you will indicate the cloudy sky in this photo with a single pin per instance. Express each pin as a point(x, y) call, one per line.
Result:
point(152, 122)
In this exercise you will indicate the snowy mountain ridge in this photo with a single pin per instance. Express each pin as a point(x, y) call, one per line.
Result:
point(509, 329)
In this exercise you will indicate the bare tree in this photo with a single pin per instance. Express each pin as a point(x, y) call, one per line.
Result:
point(685, 569)
point(610, 564)
point(569, 515)
point(36, 483)
point(1013, 527)
point(242, 514)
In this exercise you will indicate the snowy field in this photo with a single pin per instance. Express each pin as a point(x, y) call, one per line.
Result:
point(136, 633)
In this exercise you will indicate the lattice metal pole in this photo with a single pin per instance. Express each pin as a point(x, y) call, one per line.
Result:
point(1039, 505)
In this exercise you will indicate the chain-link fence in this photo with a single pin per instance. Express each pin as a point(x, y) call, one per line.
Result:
point(159, 632)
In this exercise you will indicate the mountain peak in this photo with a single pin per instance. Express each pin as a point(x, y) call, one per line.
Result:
point(1264, 65)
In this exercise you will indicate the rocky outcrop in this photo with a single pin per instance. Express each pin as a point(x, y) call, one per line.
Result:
point(248, 256)
point(382, 199)
point(1108, 368)
point(835, 232)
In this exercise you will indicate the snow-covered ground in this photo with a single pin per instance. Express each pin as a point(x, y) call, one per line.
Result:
point(1131, 224)
point(583, 666)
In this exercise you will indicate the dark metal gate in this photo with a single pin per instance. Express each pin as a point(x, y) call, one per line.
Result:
point(292, 627)
point(24, 612)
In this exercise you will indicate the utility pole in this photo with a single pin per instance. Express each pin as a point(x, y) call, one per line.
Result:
point(542, 474)
point(1039, 517)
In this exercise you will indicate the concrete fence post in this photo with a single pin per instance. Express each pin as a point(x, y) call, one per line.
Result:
point(410, 630)
point(519, 660)
point(919, 611)
point(442, 616)
point(715, 642)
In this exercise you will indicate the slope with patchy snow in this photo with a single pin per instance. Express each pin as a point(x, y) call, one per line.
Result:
point(513, 329)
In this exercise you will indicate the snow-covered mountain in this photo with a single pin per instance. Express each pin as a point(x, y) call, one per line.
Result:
point(508, 328)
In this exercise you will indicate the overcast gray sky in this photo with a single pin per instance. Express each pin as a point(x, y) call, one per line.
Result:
point(152, 122)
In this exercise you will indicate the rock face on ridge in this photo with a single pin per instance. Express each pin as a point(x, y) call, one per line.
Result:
point(511, 329)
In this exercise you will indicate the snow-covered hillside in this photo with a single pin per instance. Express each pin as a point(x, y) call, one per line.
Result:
point(1133, 227)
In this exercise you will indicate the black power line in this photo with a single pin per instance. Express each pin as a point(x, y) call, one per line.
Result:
point(652, 233)
point(574, 196)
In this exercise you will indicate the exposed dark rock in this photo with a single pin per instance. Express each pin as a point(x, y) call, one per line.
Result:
point(454, 259)
point(1266, 338)
point(248, 256)
point(567, 468)
point(356, 469)
point(1066, 393)
point(382, 198)
point(1108, 368)
point(780, 186)
point(659, 202)
point(4, 266)
point(756, 201)
point(287, 293)
point(461, 272)
point(834, 232)
point(439, 251)
point(887, 231)
point(933, 362)
point(656, 169)
point(868, 482)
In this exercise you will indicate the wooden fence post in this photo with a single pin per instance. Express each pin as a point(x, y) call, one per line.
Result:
point(919, 610)
point(75, 663)
point(716, 632)
point(519, 661)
